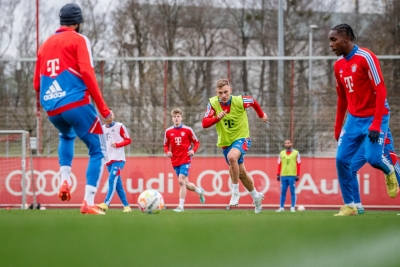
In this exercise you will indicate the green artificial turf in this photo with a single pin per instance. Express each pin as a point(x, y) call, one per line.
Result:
point(198, 238)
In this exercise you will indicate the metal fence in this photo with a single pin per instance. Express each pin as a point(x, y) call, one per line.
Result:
point(142, 92)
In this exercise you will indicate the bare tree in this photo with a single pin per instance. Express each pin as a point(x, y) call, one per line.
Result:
point(7, 8)
point(95, 25)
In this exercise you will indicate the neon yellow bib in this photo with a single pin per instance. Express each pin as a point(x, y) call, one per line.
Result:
point(288, 163)
point(235, 124)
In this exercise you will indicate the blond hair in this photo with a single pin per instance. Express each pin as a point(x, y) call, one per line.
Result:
point(176, 111)
point(222, 82)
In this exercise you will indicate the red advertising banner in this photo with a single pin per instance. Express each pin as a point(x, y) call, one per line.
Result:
point(318, 186)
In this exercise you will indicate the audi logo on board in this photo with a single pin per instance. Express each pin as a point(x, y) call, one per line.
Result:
point(40, 182)
point(217, 182)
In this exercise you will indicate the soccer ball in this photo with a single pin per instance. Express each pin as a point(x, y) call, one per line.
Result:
point(150, 201)
point(301, 208)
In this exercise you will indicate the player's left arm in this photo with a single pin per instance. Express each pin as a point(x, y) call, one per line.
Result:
point(86, 67)
point(373, 70)
point(298, 164)
point(124, 134)
point(195, 141)
point(248, 101)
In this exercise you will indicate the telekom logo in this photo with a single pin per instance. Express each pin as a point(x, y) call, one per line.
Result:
point(178, 140)
point(349, 83)
point(52, 66)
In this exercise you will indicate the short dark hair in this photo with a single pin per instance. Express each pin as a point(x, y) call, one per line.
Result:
point(346, 29)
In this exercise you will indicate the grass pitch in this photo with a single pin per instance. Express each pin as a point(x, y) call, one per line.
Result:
point(198, 238)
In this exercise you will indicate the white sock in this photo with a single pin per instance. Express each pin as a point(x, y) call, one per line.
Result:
point(198, 191)
point(358, 205)
point(350, 204)
point(65, 174)
point(181, 202)
point(90, 193)
point(235, 187)
point(254, 193)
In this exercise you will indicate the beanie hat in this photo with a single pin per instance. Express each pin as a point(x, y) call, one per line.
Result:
point(70, 14)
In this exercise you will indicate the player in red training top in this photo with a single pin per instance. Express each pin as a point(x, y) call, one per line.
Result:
point(65, 80)
point(228, 113)
point(361, 91)
point(178, 141)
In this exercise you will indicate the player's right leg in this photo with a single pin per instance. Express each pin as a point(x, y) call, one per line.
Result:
point(231, 156)
point(65, 154)
point(284, 186)
point(356, 163)
point(182, 188)
point(349, 142)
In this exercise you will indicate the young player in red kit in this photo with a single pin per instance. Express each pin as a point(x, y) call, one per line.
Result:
point(66, 82)
point(361, 91)
point(178, 141)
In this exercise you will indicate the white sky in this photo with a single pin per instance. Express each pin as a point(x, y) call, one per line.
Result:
point(346, 6)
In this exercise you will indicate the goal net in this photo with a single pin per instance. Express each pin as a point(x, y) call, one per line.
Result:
point(17, 185)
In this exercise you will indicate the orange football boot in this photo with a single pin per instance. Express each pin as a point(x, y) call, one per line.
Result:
point(64, 193)
point(86, 209)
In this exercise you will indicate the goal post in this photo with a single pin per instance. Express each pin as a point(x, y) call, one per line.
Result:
point(17, 185)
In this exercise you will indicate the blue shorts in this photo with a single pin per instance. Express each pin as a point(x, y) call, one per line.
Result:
point(242, 144)
point(182, 169)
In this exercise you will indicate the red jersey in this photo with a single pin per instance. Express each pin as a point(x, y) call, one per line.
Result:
point(179, 141)
point(64, 74)
point(210, 118)
point(360, 88)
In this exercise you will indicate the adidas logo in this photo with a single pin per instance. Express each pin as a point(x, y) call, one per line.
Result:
point(54, 91)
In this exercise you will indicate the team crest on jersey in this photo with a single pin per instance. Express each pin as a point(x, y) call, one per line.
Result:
point(183, 133)
point(354, 67)
point(340, 72)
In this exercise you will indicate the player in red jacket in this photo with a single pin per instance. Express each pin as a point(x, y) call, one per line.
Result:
point(178, 141)
point(362, 93)
point(65, 80)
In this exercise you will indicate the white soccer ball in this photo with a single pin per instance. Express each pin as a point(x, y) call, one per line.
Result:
point(150, 201)
point(301, 208)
